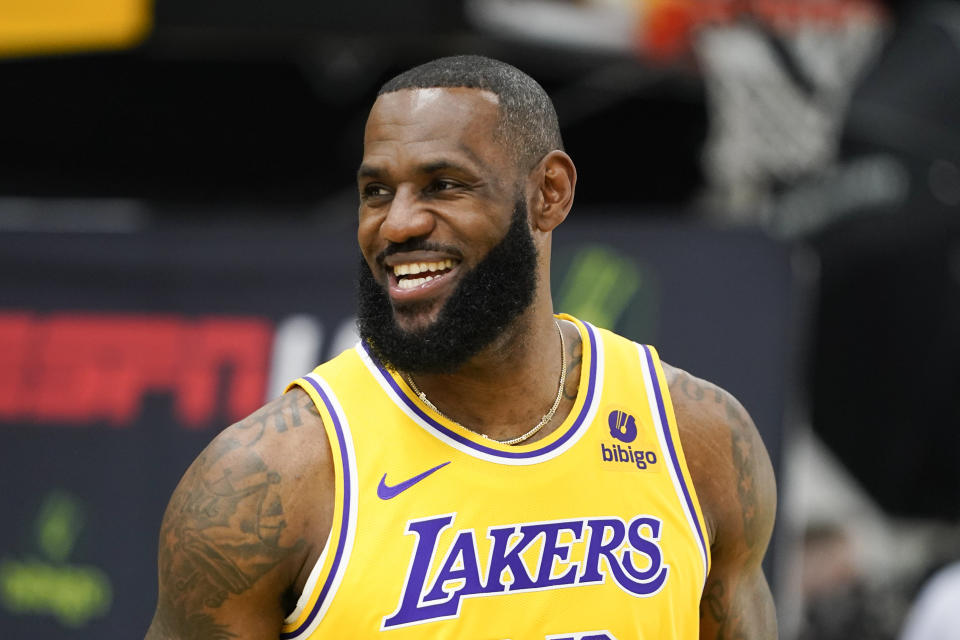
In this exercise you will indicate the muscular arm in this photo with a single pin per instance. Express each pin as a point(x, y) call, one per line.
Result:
point(734, 481)
point(244, 525)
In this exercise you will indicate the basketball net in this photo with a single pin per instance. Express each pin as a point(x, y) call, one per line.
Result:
point(778, 77)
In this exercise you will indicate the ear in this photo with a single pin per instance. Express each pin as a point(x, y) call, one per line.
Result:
point(555, 182)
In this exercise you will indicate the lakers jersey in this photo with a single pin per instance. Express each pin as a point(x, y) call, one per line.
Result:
point(593, 532)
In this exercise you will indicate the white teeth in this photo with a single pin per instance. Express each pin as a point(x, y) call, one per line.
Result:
point(413, 268)
point(410, 283)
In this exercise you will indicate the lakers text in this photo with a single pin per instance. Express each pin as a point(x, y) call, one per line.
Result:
point(529, 556)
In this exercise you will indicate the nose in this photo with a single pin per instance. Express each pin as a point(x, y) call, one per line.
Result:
point(408, 217)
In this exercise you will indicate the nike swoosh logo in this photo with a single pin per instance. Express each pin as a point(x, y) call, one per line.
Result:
point(385, 491)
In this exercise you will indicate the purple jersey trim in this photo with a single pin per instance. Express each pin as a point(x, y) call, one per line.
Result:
point(516, 455)
point(671, 449)
point(344, 520)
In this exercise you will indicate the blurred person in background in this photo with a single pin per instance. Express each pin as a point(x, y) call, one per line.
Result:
point(837, 601)
point(474, 443)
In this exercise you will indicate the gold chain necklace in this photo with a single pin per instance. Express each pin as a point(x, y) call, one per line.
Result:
point(543, 421)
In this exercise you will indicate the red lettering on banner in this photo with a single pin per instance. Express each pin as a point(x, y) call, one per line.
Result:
point(88, 367)
point(15, 333)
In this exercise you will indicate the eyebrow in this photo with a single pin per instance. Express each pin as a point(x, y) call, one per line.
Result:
point(442, 165)
point(368, 171)
point(378, 173)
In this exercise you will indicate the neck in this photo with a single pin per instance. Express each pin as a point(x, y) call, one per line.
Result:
point(505, 390)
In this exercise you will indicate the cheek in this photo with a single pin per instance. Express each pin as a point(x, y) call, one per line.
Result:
point(485, 231)
point(367, 239)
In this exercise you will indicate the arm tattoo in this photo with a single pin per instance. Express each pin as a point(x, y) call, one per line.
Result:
point(290, 414)
point(733, 605)
point(744, 462)
point(715, 604)
point(198, 626)
point(696, 391)
point(712, 601)
point(742, 448)
point(222, 530)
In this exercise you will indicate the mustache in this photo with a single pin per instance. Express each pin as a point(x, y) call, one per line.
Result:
point(416, 244)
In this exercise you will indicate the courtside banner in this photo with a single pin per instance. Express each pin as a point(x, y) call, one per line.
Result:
point(122, 355)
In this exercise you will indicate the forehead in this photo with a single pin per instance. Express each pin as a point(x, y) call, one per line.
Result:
point(417, 124)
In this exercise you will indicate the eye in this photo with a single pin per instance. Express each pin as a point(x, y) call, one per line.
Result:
point(373, 190)
point(443, 184)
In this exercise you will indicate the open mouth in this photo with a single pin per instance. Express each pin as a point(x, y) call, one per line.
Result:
point(411, 275)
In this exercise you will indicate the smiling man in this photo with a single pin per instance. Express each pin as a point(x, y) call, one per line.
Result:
point(477, 467)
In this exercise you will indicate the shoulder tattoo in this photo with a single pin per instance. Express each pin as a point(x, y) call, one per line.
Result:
point(745, 447)
point(223, 529)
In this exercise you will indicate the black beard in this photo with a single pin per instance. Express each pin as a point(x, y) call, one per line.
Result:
point(486, 301)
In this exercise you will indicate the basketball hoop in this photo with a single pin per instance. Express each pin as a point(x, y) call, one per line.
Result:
point(778, 77)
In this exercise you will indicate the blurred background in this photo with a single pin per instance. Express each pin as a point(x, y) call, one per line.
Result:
point(769, 192)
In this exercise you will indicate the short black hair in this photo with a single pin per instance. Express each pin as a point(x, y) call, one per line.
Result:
point(528, 121)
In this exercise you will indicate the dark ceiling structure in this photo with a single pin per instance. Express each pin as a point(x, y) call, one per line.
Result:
point(242, 102)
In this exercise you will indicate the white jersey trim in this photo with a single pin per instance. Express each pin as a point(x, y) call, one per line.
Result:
point(347, 533)
point(663, 436)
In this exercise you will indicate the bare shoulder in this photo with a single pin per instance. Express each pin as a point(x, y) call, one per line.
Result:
point(734, 481)
point(728, 461)
point(244, 523)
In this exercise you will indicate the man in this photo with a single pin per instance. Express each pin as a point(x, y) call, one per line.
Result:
point(477, 467)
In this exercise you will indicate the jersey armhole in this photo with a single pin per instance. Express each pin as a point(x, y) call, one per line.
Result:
point(662, 406)
point(325, 577)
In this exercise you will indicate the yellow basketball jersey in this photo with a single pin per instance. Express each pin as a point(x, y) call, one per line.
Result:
point(592, 533)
